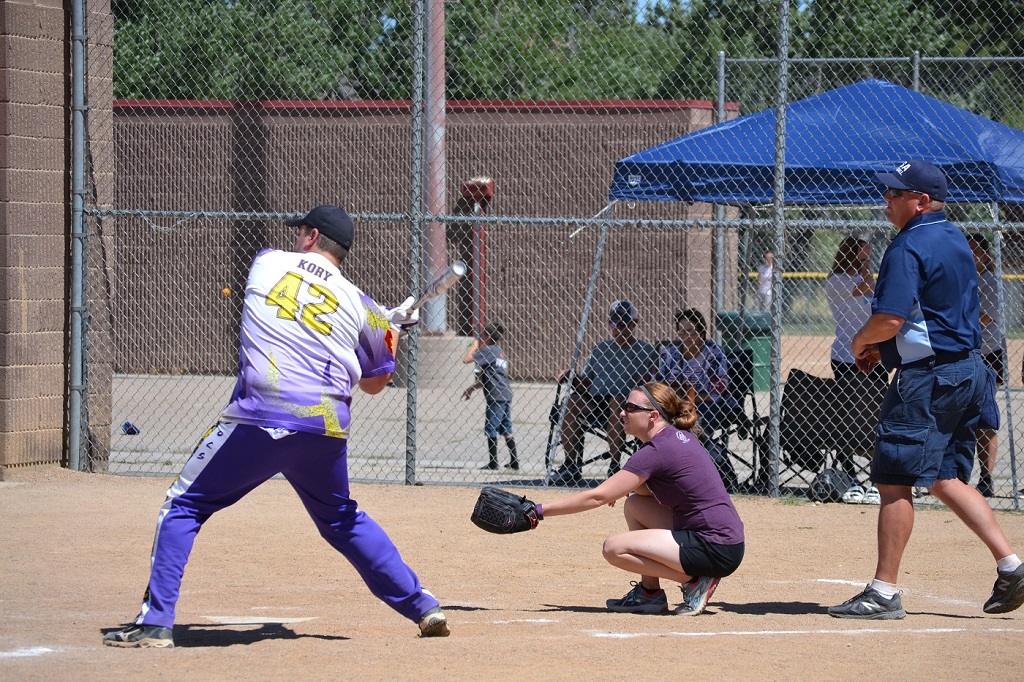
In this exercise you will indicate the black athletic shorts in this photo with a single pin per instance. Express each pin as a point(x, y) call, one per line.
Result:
point(701, 558)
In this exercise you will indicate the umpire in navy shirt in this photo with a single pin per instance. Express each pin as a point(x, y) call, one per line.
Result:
point(925, 326)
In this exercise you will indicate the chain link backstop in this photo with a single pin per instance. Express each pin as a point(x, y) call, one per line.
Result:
point(209, 122)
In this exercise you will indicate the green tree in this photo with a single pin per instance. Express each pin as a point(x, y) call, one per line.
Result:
point(558, 49)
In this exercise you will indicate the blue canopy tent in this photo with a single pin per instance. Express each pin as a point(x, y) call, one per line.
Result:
point(835, 142)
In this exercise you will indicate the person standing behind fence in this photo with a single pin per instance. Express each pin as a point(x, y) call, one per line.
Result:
point(848, 288)
point(992, 343)
point(308, 338)
point(763, 290)
point(492, 376)
point(924, 324)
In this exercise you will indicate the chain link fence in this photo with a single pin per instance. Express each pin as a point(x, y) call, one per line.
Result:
point(488, 132)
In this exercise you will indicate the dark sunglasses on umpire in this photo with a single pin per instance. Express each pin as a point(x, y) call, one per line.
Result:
point(895, 193)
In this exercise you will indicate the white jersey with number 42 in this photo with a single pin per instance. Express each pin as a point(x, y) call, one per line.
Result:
point(308, 335)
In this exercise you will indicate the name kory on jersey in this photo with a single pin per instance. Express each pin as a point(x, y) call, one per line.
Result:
point(314, 269)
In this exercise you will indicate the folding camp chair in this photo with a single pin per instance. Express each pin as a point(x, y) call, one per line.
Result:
point(825, 422)
point(737, 421)
point(594, 426)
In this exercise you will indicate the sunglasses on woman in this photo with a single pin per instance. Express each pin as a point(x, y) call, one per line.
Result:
point(633, 407)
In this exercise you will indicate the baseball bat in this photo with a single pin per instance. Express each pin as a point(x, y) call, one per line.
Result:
point(442, 283)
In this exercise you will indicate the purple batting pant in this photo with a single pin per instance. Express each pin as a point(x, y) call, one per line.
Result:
point(233, 459)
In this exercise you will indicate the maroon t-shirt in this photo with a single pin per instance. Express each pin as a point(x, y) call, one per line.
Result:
point(681, 475)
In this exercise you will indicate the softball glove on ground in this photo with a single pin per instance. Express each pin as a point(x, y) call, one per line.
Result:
point(499, 511)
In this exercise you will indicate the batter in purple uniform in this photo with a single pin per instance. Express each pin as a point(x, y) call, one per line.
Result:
point(308, 337)
point(682, 523)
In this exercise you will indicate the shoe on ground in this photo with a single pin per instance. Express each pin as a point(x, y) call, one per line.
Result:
point(490, 466)
point(696, 595)
point(985, 486)
point(855, 495)
point(434, 624)
point(140, 637)
point(870, 605)
point(514, 466)
point(636, 601)
point(872, 496)
point(567, 475)
point(1007, 593)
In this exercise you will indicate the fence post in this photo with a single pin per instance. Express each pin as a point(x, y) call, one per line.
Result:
point(778, 219)
point(415, 235)
point(77, 342)
point(997, 245)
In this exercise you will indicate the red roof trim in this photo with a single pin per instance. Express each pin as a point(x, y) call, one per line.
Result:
point(400, 105)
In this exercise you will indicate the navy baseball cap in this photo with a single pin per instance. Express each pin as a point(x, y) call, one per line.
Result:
point(916, 176)
point(622, 312)
point(331, 221)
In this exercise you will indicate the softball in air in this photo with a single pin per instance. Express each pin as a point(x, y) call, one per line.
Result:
point(226, 291)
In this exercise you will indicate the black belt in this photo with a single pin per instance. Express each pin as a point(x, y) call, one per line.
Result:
point(938, 359)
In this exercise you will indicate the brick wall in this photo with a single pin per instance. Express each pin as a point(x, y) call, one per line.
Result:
point(33, 215)
point(547, 161)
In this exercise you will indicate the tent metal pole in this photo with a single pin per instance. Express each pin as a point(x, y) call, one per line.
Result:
point(581, 332)
point(997, 244)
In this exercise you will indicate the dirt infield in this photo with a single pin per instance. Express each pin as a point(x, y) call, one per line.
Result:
point(265, 598)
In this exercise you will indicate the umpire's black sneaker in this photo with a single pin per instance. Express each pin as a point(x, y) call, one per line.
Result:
point(1007, 593)
point(434, 624)
point(870, 605)
point(140, 636)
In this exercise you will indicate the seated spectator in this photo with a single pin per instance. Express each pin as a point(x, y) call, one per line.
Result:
point(614, 367)
point(697, 362)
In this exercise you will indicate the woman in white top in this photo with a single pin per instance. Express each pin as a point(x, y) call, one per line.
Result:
point(992, 349)
point(849, 287)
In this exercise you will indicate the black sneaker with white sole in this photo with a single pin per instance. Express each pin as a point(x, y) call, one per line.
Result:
point(434, 623)
point(140, 637)
point(568, 475)
point(870, 605)
point(1007, 593)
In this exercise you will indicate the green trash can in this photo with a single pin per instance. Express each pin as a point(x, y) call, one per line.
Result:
point(751, 329)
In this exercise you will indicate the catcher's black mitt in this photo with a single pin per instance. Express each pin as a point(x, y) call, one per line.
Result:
point(499, 511)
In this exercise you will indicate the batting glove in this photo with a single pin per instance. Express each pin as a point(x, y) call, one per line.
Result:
point(401, 316)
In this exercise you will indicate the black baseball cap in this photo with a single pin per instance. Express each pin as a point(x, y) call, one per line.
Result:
point(331, 221)
point(622, 312)
point(916, 176)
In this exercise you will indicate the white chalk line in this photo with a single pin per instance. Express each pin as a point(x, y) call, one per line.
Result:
point(787, 633)
point(27, 653)
point(255, 620)
point(524, 620)
point(911, 592)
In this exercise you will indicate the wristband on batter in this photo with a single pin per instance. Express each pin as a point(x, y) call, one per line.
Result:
point(540, 512)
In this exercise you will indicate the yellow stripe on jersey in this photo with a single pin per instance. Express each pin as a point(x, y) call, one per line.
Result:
point(375, 319)
point(327, 409)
